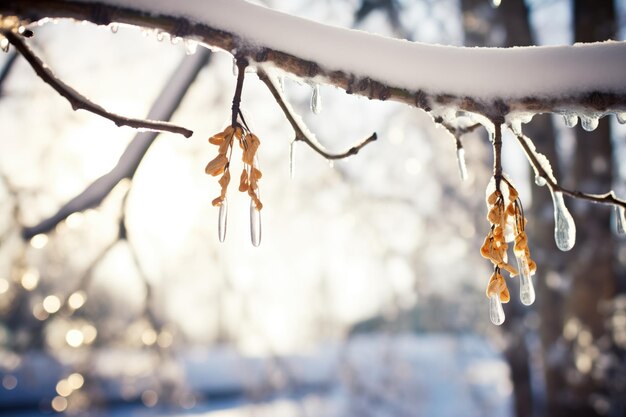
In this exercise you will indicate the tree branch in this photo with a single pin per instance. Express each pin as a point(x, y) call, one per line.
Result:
point(163, 108)
point(606, 198)
point(249, 40)
point(78, 101)
point(300, 130)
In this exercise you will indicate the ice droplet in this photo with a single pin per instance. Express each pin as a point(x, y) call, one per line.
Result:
point(114, 27)
point(235, 69)
point(191, 46)
point(221, 220)
point(160, 35)
point(255, 224)
point(331, 163)
point(316, 100)
point(564, 226)
point(570, 119)
point(495, 3)
point(540, 181)
point(526, 289)
point(4, 45)
point(460, 158)
point(292, 159)
point(589, 123)
point(496, 312)
point(620, 219)
point(621, 117)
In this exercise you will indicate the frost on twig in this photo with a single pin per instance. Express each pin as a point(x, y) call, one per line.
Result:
point(302, 133)
point(78, 101)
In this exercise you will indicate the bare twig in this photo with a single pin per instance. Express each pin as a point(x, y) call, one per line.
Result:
point(164, 106)
point(78, 101)
point(299, 130)
point(6, 68)
point(606, 198)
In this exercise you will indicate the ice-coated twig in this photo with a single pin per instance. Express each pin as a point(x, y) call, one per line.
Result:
point(78, 101)
point(301, 131)
point(606, 198)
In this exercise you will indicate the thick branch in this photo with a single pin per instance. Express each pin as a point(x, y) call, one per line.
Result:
point(78, 101)
point(299, 130)
point(573, 79)
point(606, 198)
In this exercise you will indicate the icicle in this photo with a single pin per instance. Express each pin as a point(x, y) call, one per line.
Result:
point(564, 226)
point(496, 312)
point(190, 46)
point(570, 119)
point(540, 181)
point(460, 158)
point(589, 123)
point(316, 99)
point(526, 289)
point(114, 27)
point(621, 117)
point(221, 220)
point(281, 84)
point(255, 224)
point(292, 159)
point(620, 219)
point(235, 69)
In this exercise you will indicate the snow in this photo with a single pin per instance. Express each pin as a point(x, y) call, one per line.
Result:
point(483, 73)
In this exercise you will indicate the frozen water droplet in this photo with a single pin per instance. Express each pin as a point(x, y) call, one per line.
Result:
point(292, 159)
point(316, 100)
point(570, 119)
point(496, 3)
point(564, 226)
point(589, 123)
point(191, 46)
point(621, 117)
point(4, 45)
point(526, 289)
point(255, 224)
point(221, 220)
point(331, 163)
point(460, 159)
point(540, 181)
point(620, 219)
point(235, 68)
point(160, 35)
point(496, 312)
point(174, 40)
point(114, 27)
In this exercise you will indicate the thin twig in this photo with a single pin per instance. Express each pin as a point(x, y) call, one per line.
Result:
point(165, 105)
point(78, 101)
point(606, 198)
point(6, 68)
point(497, 153)
point(299, 131)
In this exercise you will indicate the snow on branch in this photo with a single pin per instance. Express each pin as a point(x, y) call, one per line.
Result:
point(490, 81)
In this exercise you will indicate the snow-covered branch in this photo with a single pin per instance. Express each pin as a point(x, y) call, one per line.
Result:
point(491, 81)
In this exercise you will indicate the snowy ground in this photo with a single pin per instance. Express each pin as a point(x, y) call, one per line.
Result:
point(400, 375)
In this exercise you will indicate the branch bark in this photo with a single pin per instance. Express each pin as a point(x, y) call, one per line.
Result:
point(297, 64)
point(77, 100)
point(165, 105)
